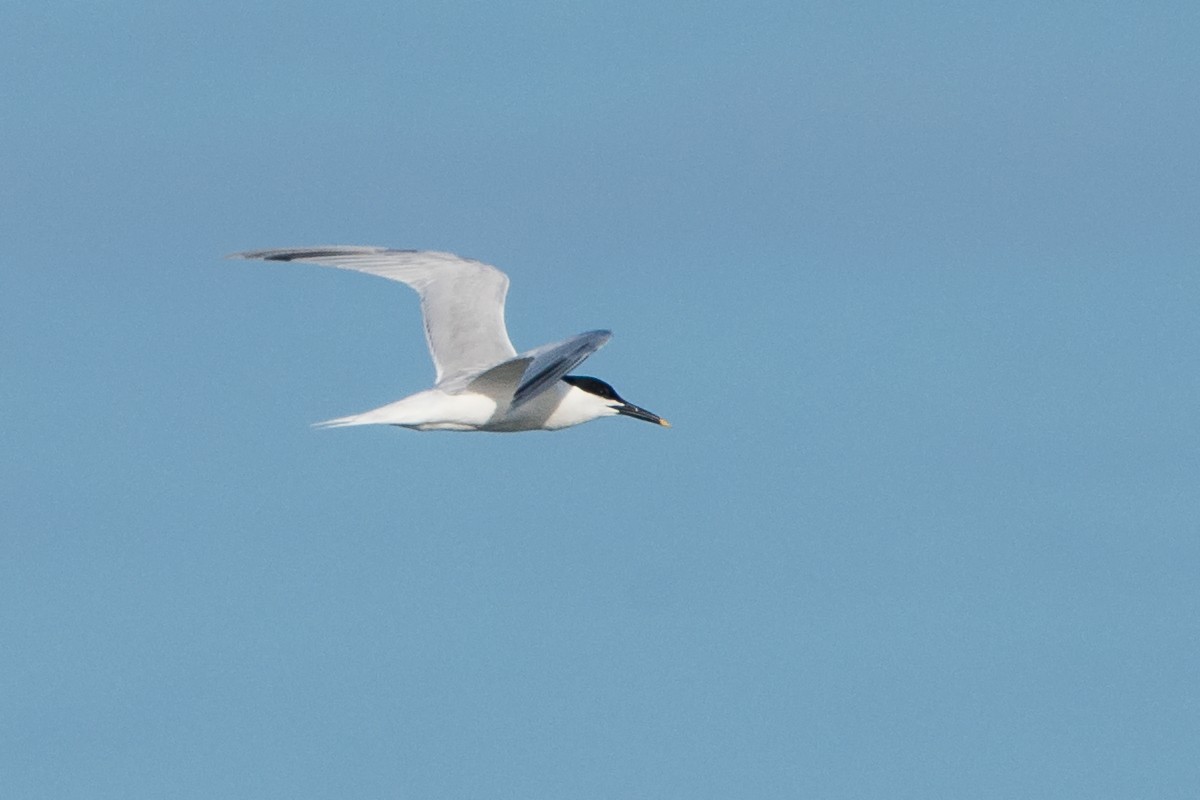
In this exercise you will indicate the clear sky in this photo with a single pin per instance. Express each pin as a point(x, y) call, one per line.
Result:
point(917, 287)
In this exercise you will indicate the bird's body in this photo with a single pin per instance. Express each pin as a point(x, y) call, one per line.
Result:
point(482, 383)
point(559, 406)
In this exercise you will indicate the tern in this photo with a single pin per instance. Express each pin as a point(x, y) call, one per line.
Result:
point(482, 383)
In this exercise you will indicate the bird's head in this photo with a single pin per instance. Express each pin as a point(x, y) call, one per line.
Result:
point(608, 403)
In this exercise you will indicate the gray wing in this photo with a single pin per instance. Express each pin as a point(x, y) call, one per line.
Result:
point(462, 300)
point(551, 361)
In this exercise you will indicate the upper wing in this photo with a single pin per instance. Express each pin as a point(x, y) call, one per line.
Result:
point(551, 361)
point(462, 300)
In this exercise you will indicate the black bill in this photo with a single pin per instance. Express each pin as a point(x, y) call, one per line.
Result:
point(637, 412)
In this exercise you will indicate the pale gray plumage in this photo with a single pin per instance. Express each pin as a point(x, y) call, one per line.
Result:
point(482, 383)
point(462, 300)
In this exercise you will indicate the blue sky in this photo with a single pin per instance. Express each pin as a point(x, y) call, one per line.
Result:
point(916, 286)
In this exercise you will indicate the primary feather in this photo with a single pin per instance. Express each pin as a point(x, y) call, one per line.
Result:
point(462, 300)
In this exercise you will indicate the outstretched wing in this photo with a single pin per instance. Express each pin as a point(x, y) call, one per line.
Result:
point(462, 300)
point(551, 361)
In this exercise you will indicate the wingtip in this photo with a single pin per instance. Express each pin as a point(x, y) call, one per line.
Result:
point(267, 255)
point(262, 255)
point(306, 253)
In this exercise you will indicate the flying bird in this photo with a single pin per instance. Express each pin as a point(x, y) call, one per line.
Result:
point(482, 383)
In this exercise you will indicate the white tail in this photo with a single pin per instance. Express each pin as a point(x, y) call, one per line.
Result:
point(342, 422)
point(391, 414)
point(428, 410)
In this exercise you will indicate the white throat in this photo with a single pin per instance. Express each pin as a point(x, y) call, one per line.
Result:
point(576, 407)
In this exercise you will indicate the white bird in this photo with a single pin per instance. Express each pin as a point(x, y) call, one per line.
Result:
point(482, 383)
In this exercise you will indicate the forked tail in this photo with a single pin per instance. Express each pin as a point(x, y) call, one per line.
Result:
point(354, 419)
point(396, 413)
